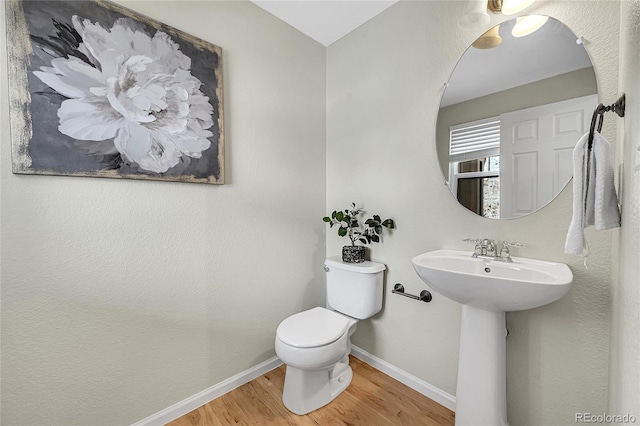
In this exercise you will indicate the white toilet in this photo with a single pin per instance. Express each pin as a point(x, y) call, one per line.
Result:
point(315, 344)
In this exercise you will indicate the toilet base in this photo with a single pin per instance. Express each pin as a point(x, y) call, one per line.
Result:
point(306, 391)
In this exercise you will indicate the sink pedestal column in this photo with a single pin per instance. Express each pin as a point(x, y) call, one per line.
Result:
point(481, 396)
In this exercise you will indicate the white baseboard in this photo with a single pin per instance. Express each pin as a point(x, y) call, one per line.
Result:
point(419, 385)
point(183, 407)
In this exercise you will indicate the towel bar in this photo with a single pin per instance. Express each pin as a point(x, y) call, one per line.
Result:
point(425, 295)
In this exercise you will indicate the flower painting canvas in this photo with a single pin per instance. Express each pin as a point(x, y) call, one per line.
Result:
point(99, 90)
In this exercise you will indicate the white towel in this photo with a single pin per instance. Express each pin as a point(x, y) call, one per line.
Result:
point(594, 195)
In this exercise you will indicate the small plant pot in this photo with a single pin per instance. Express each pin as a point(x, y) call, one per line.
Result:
point(353, 254)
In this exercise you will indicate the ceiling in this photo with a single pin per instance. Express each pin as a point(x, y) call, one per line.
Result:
point(325, 21)
point(550, 51)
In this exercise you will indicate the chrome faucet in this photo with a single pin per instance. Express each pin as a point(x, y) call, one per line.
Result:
point(487, 249)
point(484, 247)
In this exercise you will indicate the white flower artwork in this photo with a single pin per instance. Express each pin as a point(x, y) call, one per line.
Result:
point(137, 90)
point(127, 96)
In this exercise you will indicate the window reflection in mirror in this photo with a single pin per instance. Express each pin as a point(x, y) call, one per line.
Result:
point(477, 185)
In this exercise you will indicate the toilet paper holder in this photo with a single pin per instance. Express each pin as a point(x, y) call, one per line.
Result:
point(425, 295)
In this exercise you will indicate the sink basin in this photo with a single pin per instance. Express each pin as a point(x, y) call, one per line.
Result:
point(493, 285)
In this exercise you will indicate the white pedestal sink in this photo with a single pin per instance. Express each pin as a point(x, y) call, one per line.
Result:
point(487, 289)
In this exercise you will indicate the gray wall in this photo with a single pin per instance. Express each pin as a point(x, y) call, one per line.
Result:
point(384, 87)
point(122, 297)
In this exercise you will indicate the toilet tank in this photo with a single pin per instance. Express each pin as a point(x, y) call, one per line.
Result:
point(354, 289)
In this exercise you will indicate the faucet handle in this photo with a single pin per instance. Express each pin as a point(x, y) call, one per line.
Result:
point(504, 251)
point(478, 241)
point(472, 240)
point(478, 248)
point(506, 244)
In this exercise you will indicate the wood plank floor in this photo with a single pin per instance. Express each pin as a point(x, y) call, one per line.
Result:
point(372, 399)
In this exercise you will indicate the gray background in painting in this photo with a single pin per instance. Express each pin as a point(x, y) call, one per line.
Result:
point(49, 149)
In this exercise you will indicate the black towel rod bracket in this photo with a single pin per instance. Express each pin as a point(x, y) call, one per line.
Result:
point(598, 115)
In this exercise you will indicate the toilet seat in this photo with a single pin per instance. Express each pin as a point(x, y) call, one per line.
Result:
point(312, 328)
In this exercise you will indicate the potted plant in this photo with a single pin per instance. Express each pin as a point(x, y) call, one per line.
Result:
point(351, 224)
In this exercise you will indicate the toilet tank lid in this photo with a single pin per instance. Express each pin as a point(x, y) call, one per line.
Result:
point(312, 328)
point(366, 267)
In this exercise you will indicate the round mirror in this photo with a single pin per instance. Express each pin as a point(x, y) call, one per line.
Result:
point(514, 107)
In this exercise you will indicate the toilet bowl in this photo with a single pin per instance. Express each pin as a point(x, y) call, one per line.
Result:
point(315, 344)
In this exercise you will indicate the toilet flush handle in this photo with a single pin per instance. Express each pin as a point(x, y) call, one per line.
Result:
point(326, 268)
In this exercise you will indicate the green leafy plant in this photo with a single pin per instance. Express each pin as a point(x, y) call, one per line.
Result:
point(351, 224)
